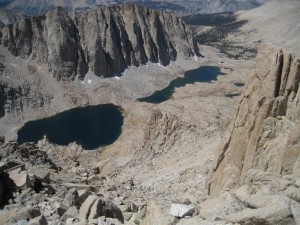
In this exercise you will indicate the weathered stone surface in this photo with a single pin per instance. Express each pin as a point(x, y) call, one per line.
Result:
point(181, 210)
point(105, 207)
point(71, 197)
point(158, 214)
point(41, 220)
point(21, 179)
point(264, 142)
point(86, 207)
point(96, 209)
point(25, 194)
point(271, 214)
point(82, 196)
point(42, 173)
point(219, 207)
point(296, 213)
point(72, 212)
point(118, 201)
point(22, 222)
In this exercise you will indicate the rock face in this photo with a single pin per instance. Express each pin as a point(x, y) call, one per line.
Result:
point(7, 17)
point(262, 149)
point(105, 40)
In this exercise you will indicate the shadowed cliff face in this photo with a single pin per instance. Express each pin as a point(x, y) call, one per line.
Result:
point(106, 40)
point(264, 143)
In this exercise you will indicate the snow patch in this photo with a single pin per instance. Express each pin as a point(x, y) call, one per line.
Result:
point(161, 65)
point(118, 78)
point(196, 58)
point(89, 81)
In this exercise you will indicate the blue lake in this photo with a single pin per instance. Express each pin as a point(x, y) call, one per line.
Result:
point(201, 74)
point(90, 127)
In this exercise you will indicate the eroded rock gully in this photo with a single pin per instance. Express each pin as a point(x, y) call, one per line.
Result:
point(106, 40)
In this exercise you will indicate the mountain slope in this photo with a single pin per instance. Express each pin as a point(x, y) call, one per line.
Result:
point(217, 6)
point(38, 7)
point(106, 40)
point(274, 22)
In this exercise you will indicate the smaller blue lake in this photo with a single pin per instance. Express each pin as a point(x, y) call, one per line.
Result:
point(201, 74)
point(90, 127)
point(239, 84)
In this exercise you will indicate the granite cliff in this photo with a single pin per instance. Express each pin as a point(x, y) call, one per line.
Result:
point(106, 40)
point(262, 149)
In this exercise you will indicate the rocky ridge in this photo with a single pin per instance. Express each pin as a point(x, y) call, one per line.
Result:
point(268, 118)
point(38, 7)
point(106, 40)
point(259, 156)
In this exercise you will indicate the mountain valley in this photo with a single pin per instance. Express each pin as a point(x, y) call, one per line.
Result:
point(220, 147)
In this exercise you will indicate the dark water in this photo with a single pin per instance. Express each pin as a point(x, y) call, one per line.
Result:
point(232, 95)
point(91, 127)
point(201, 74)
point(239, 84)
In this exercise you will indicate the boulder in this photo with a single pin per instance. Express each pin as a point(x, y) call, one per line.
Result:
point(111, 210)
point(25, 194)
point(21, 180)
point(265, 210)
point(41, 220)
point(86, 207)
point(96, 209)
point(219, 207)
point(42, 173)
point(71, 197)
point(118, 201)
point(296, 213)
point(60, 208)
point(156, 213)
point(181, 210)
point(105, 207)
point(82, 196)
point(127, 216)
point(72, 212)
